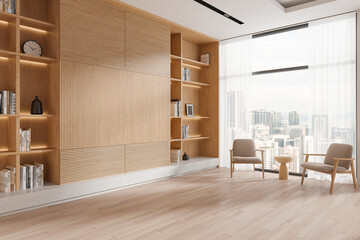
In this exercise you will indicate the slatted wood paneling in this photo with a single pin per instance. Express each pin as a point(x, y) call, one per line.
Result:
point(147, 155)
point(87, 163)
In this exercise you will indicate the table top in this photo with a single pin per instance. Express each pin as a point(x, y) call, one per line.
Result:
point(283, 159)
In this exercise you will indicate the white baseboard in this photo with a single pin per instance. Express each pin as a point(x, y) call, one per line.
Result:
point(29, 199)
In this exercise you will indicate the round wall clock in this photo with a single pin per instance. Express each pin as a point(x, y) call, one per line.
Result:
point(32, 47)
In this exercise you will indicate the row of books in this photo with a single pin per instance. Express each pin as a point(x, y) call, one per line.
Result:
point(31, 176)
point(205, 58)
point(8, 6)
point(175, 155)
point(185, 74)
point(175, 107)
point(25, 140)
point(185, 132)
point(7, 102)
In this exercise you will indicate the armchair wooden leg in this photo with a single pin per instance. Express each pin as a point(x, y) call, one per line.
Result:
point(333, 176)
point(303, 176)
point(353, 173)
point(254, 167)
point(263, 170)
point(231, 169)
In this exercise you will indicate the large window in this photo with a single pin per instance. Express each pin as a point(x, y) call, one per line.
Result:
point(297, 95)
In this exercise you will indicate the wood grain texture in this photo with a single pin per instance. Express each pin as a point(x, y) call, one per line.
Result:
point(148, 108)
point(147, 155)
point(147, 45)
point(87, 163)
point(98, 117)
point(191, 50)
point(203, 205)
point(92, 32)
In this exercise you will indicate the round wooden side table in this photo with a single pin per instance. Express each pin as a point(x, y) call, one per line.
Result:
point(283, 170)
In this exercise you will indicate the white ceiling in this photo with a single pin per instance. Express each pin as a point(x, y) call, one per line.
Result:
point(258, 15)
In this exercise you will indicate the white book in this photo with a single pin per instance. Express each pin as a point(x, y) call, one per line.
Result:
point(174, 111)
point(12, 103)
point(187, 74)
point(205, 58)
point(29, 176)
point(13, 6)
point(4, 102)
point(5, 180)
point(1, 5)
point(39, 174)
point(22, 177)
point(13, 177)
point(28, 140)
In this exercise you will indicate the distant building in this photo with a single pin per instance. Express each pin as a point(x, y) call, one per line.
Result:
point(320, 127)
point(294, 118)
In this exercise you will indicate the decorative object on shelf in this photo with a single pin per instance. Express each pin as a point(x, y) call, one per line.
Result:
point(32, 47)
point(185, 74)
point(189, 109)
point(186, 157)
point(185, 131)
point(36, 106)
point(205, 58)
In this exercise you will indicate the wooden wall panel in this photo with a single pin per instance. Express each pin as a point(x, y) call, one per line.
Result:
point(147, 45)
point(92, 106)
point(87, 163)
point(148, 108)
point(147, 155)
point(92, 32)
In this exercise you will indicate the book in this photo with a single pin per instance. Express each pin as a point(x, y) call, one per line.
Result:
point(4, 102)
point(12, 103)
point(6, 5)
point(185, 74)
point(175, 155)
point(205, 58)
point(5, 180)
point(174, 110)
point(13, 6)
point(13, 177)
point(29, 176)
point(185, 131)
point(38, 175)
point(1, 5)
point(22, 177)
point(25, 140)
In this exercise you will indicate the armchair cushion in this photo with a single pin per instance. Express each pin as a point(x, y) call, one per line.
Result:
point(322, 167)
point(246, 160)
point(244, 148)
point(337, 150)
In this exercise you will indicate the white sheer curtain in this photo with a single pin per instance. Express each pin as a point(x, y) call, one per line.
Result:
point(332, 66)
point(235, 90)
point(328, 85)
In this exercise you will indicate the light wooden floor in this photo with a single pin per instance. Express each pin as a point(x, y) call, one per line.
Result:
point(205, 205)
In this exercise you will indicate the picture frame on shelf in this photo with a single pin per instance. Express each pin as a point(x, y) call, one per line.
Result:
point(189, 109)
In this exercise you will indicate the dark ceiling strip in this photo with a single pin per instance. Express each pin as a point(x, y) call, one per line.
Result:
point(281, 70)
point(215, 9)
point(281, 30)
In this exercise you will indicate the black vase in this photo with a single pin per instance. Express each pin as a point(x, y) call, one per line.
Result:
point(186, 157)
point(36, 106)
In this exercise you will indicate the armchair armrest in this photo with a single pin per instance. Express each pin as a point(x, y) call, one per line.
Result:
point(307, 155)
point(314, 154)
point(343, 159)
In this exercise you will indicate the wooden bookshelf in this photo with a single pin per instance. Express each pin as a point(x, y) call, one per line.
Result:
point(30, 76)
point(201, 91)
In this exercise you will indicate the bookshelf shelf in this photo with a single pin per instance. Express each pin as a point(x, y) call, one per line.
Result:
point(7, 54)
point(190, 84)
point(36, 59)
point(175, 80)
point(36, 116)
point(189, 62)
point(36, 24)
point(195, 118)
point(8, 115)
point(189, 139)
point(7, 17)
point(7, 153)
point(37, 151)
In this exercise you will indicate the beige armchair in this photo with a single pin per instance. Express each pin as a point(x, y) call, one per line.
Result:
point(338, 159)
point(244, 152)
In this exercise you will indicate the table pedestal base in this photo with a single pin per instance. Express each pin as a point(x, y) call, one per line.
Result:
point(283, 172)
